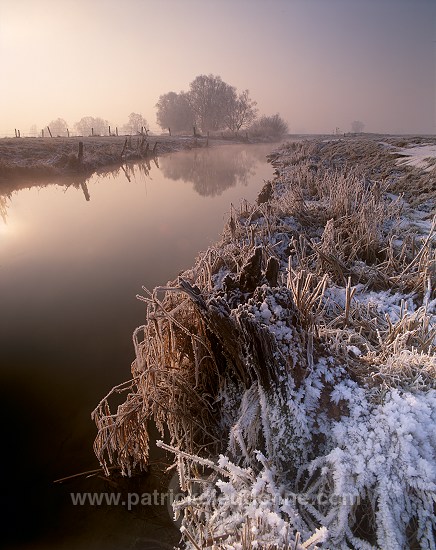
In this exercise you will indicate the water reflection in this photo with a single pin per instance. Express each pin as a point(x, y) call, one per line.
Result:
point(130, 171)
point(8, 189)
point(73, 255)
point(211, 171)
point(4, 206)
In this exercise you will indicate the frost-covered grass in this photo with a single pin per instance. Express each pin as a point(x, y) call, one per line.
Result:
point(48, 157)
point(294, 366)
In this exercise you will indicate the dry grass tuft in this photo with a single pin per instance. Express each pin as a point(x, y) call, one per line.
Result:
point(174, 374)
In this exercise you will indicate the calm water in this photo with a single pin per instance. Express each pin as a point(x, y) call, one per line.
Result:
point(72, 259)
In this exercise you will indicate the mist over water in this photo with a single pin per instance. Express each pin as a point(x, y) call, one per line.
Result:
point(73, 256)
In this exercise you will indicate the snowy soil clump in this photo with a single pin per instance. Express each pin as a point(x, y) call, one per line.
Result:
point(294, 366)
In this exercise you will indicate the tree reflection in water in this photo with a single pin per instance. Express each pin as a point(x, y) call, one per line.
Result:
point(8, 189)
point(129, 170)
point(4, 206)
point(211, 171)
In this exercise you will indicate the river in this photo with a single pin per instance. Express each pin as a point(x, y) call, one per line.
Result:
point(73, 256)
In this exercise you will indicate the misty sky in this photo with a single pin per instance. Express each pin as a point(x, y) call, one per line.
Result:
point(320, 63)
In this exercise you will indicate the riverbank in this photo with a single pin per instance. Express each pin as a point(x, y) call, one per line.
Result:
point(293, 367)
point(48, 157)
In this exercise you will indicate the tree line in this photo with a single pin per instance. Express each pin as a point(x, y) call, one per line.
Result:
point(212, 105)
point(88, 125)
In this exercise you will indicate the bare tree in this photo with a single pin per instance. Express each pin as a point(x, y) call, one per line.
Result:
point(88, 124)
point(357, 126)
point(210, 98)
point(58, 127)
point(174, 111)
point(136, 124)
point(242, 112)
point(210, 104)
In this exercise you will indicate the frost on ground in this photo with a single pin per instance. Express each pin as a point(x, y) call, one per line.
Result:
point(421, 156)
point(294, 366)
point(37, 158)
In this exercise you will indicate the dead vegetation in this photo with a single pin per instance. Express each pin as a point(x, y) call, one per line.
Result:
point(326, 237)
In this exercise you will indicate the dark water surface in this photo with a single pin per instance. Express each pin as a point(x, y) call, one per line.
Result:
point(72, 259)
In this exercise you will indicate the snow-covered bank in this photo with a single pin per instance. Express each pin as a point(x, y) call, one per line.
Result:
point(294, 366)
point(421, 156)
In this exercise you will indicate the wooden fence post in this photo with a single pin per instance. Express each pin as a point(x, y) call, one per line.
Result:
point(42, 132)
point(92, 131)
point(80, 153)
point(169, 131)
point(68, 133)
point(49, 131)
point(15, 132)
point(116, 130)
point(124, 148)
point(109, 130)
point(195, 131)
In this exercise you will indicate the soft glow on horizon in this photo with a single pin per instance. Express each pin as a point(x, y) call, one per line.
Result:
point(320, 63)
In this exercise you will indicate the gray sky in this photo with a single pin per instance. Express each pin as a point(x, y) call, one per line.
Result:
point(320, 63)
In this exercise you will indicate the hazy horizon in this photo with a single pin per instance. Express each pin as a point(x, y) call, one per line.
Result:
point(320, 63)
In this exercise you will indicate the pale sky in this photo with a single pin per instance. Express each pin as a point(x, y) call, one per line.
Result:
point(320, 63)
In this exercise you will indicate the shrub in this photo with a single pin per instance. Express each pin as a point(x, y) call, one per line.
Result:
point(269, 126)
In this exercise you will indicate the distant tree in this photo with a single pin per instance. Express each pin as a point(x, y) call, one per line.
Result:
point(269, 126)
point(33, 132)
point(58, 127)
point(135, 124)
point(86, 124)
point(210, 104)
point(174, 111)
point(357, 126)
point(241, 112)
point(210, 98)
